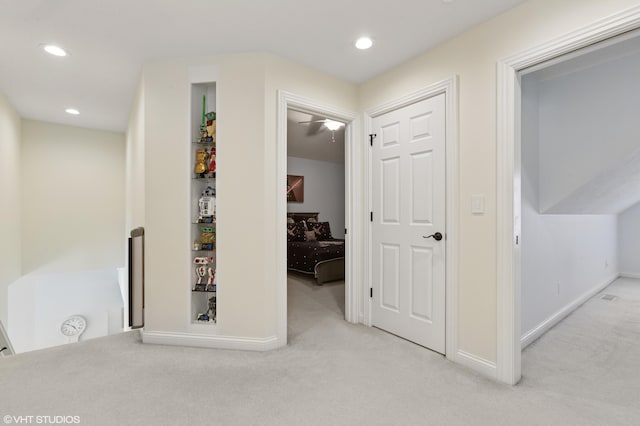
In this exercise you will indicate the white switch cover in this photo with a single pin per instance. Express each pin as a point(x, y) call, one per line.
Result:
point(477, 204)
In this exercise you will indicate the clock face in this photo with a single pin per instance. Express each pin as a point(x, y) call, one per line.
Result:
point(73, 326)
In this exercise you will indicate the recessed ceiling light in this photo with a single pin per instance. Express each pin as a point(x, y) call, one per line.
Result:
point(72, 111)
point(54, 50)
point(364, 43)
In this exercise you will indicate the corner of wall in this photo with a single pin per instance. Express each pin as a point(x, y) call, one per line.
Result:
point(10, 213)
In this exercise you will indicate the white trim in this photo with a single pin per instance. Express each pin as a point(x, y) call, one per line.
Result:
point(353, 204)
point(508, 143)
point(208, 341)
point(554, 319)
point(630, 275)
point(479, 364)
point(450, 89)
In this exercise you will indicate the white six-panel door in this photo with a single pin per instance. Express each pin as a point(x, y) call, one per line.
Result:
point(408, 202)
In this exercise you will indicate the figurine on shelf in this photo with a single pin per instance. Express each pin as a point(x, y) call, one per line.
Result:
point(207, 238)
point(202, 157)
point(212, 284)
point(207, 205)
point(203, 123)
point(203, 132)
point(211, 126)
point(203, 269)
point(210, 315)
point(212, 160)
point(212, 308)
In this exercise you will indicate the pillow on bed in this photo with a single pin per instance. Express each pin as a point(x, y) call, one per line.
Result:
point(321, 229)
point(295, 231)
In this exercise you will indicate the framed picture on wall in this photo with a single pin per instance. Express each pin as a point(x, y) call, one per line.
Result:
point(295, 189)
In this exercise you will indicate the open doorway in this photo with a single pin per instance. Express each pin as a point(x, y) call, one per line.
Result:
point(353, 292)
point(580, 183)
point(316, 246)
point(579, 200)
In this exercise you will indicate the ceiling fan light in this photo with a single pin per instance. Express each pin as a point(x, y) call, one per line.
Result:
point(333, 125)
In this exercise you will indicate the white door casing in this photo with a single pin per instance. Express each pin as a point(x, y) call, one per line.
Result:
point(508, 362)
point(409, 204)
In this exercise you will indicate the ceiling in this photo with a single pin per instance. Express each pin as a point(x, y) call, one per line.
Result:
point(313, 140)
point(109, 41)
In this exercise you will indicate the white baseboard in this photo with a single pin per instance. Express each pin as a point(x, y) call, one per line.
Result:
point(547, 324)
point(207, 341)
point(630, 275)
point(476, 363)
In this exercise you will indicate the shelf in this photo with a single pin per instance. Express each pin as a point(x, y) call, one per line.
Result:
point(208, 176)
point(203, 208)
point(210, 322)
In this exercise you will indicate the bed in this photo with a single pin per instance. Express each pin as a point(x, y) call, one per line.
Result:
point(314, 252)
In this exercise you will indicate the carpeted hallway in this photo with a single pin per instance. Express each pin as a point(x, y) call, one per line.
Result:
point(586, 371)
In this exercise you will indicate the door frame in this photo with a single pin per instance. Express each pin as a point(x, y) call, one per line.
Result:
point(509, 350)
point(448, 87)
point(353, 203)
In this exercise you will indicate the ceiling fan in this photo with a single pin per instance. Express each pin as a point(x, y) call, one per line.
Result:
point(318, 125)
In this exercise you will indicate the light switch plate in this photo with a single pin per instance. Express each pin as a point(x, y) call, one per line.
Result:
point(477, 204)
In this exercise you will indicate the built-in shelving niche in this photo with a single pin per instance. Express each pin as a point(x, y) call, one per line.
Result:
point(202, 311)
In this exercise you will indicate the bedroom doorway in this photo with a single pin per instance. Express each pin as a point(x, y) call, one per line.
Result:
point(353, 208)
point(315, 196)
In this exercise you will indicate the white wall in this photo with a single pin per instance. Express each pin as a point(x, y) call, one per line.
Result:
point(472, 57)
point(22, 314)
point(134, 186)
point(134, 168)
point(246, 186)
point(323, 191)
point(588, 128)
point(10, 243)
point(629, 241)
point(72, 198)
point(564, 257)
point(40, 302)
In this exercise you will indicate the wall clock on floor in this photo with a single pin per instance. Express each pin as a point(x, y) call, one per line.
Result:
point(73, 327)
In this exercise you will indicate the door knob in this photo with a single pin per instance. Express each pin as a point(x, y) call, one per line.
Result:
point(437, 236)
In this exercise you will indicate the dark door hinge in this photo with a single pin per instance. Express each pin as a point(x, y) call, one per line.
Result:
point(371, 137)
point(371, 216)
point(345, 231)
point(371, 292)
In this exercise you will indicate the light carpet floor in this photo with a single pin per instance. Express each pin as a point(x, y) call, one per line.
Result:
point(585, 371)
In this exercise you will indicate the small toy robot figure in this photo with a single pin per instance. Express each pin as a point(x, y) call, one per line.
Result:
point(207, 205)
point(212, 282)
point(203, 269)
